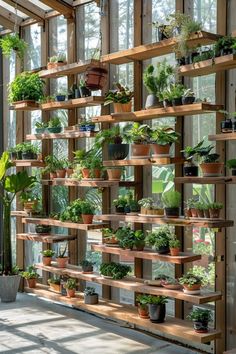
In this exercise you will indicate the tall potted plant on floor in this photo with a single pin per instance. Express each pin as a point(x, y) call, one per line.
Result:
point(10, 185)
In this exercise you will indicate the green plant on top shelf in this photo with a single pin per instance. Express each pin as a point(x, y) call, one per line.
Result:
point(26, 86)
point(171, 199)
point(48, 253)
point(156, 79)
point(13, 42)
point(30, 273)
point(114, 270)
point(164, 135)
point(137, 133)
point(190, 279)
point(70, 284)
point(122, 94)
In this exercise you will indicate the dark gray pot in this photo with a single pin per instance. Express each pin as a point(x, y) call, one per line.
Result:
point(163, 250)
point(157, 313)
point(91, 299)
point(152, 102)
point(118, 151)
point(9, 286)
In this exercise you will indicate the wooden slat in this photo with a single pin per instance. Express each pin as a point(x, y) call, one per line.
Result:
point(69, 69)
point(28, 8)
point(74, 103)
point(184, 110)
point(66, 135)
point(143, 162)
point(45, 238)
point(207, 67)
point(69, 225)
point(222, 137)
point(147, 254)
point(28, 163)
point(19, 213)
point(128, 314)
point(77, 183)
point(25, 106)
point(206, 180)
point(60, 6)
point(131, 284)
point(148, 51)
point(181, 221)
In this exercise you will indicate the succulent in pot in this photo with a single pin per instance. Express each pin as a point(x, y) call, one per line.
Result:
point(62, 259)
point(174, 245)
point(149, 207)
point(31, 276)
point(121, 98)
point(70, 287)
point(42, 229)
point(87, 266)
point(90, 296)
point(142, 301)
point(87, 212)
point(171, 283)
point(161, 139)
point(139, 135)
point(200, 318)
point(157, 308)
point(191, 283)
point(47, 257)
point(188, 96)
point(56, 60)
point(55, 284)
point(171, 201)
point(160, 239)
point(214, 210)
point(114, 270)
point(84, 90)
point(231, 164)
point(54, 125)
point(41, 127)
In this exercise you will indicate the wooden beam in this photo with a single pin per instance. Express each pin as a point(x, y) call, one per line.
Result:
point(60, 6)
point(8, 24)
point(28, 8)
point(9, 17)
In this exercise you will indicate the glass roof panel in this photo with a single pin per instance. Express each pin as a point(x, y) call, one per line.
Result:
point(40, 4)
point(12, 9)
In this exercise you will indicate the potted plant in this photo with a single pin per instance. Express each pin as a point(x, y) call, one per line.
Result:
point(69, 167)
point(171, 201)
point(29, 151)
point(12, 42)
point(72, 212)
point(61, 95)
point(162, 138)
point(121, 98)
point(200, 207)
point(51, 166)
point(120, 203)
point(55, 284)
point(54, 125)
point(191, 208)
point(167, 97)
point(87, 267)
point(41, 127)
point(211, 166)
point(47, 257)
point(224, 46)
point(157, 308)
point(190, 153)
point(42, 229)
point(109, 236)
point(26, 87)
point(139, 240)
point(139, 135)
point(70, 286)
point(142, 301)
point(214, 210)
point(89, 164)
point(84, 90)
point(60, 166)
point(114, 173)
point(90, 126)
point(90, 296)
point(188, 96)
point(57, 60)
point(149, 207)
point(227, 125)
point(174, 245)
point(171, 283)
point(160, 239)
point(87, 212)
point(200, 318)
point(156, 79)
point(134, 207)
point(114, 270)
point(62, 259)
point(191, 283)
point(29, 200)
point(96, 77)
point(177, 90)
point(31, 276)
point(125, 236)
point(13, 153)
point(231, 164)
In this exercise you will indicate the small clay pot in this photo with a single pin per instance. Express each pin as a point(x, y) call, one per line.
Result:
point(114, 174)
point(174, 251)
point(62, 262)
point(143, 311)
point(61, 173)
point(53, 175)
point(160, 150)
point(140, 150)
point(47, 261)
point(31, 283)
point(194, 212)
point(70, 292)
point(214, 213)
point(200, 213)
point(87, 218)
point(213, 169)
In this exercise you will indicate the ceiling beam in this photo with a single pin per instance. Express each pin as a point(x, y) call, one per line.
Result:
point(7, 24)
point(60, 6)
point(28, 8)
point(83, 2)
point(8, 19)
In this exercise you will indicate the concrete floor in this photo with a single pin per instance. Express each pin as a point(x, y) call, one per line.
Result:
point(35, 326)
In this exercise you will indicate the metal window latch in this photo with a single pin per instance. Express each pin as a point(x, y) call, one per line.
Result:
point(217, 259)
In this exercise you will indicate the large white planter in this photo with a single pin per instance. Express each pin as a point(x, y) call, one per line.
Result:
point(9, 286)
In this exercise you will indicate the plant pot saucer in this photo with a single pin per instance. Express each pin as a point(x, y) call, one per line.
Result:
point(112, 245)
point(153, 283)
point(144, 317)
point(172, 286)
point(192, 292)
point(152, 216)
point(92, 179)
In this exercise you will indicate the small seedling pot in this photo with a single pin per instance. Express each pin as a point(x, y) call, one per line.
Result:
point(85, 172)
point(47, 261)
point(200, 327)
point(200, 213)
point(61, 173)
point(87, 269)
point(174, 251)
point(213, 169)
point(194, 212)
point(40, 130)
point(84, 92)
point(91, 299)
point(143, 311)
point(31, 283)
point(29, 156)
point(70, 292)
point(157, 312)
point(206, 213)
point(87, 218)
point(120, 210)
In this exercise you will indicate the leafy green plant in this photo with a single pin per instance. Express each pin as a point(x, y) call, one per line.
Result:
point(26, 86)
point(114, 270)
point(60, 58)
point(190, 279)
point(51, 164)
point(122, 94)
point(231, 163)
point(211, 158)
point(200, 315)
point(164, 136)
point(148, 203)
point(89, 291)
point(54, 122)
point(120, 202)
point(86, 263)
point(176, 90)
point(156, 79)
point(125, 236)
point(30, 273)
point(159, 238)
point(174, 242)
point(142, 299)
point(113, 135)
point(171, 199)
point(138, 134)
point(70, 284)
point(28, 147)
point(87, 208)
point(197, 150)
point(72, 212)
point(225, 43)
point(41, 125)
point(12, 42)
point(157, 300)
point(215, 206)
point(55, 280)
point(48, 253)
point(204, 56)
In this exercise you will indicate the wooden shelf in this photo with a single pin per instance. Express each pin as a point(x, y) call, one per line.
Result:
point(209, 66)
point(68, 225)
point(49, 238)
point(148, 51)
point(66, 135)
point(222, 137)
point(181, 221)
point(74, 103)
point(206, 180)
point(73, 182)
point(184, 110)
point(147, 254)
point(131, 284)
point(128, 314)
point(144, 162)
point(19, 213)
point(28, 163)
point(25, 106)
point(68, 69)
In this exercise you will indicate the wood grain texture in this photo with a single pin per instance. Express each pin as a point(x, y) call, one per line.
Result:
point(50, 238)
point(74, 103)
point(69, 225)
point(144, 162)
point(66, 135)
point(206, 180)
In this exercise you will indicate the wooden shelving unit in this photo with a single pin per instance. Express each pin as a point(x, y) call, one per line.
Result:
point(206, 180)
point(72, 182)
point(184, 110)
point(74, 103)
point(25, 106)
point(128, 315)
point(144, 162)
point(49, 238)
point(222, 137)
point(28, 163)
point(65, 135)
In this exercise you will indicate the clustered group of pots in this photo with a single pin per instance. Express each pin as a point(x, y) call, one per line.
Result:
point(197, 209)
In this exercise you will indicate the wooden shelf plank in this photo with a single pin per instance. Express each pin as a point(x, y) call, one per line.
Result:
point(74, 103)
point(68, 225)
point(66, 135)
point(131, 283)
point(147, 51)
point(73, 182)
point(128, 314)
point(19, 213)
point(147, 254)
point(206, 180)
point(181, 221)
point(209, 66)
point(222, 137)
point(25, 106)
point(144, 162)
point(69, 69)
point(28, 163)
point(49, 238)
point(184, 110)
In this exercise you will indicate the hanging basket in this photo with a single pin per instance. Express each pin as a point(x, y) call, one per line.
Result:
point(96, 78)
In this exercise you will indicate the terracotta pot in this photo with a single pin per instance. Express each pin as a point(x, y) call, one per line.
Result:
point(70, 292)
point(143, 311)
point(214, 213)
point(174, 251)
point(29, 206)
point(200, 213)
point(193, 287)
point(87, 219)
point(206, 213)
point(61, 173)
point(53, 175)
point(194, 212)
point(55, 65)
point(69, 172)
point(31, 283)
point(111, 240)
point(122, 107)
point(114, 174)
point(212, 169)
point(96, 173)
point(160, 150)
point(96, 78)
point(56, 287)
point(187, 213)
point(85, 172)
point(62, 262)
point(47, 261)
point(140, 151)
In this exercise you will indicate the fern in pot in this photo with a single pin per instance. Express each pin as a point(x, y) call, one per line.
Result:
point(171, 201)
point(142, 301)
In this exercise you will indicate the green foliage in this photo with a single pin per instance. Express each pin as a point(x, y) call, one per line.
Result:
point(164, 135)
point(215, 206)
point(231, 163)
point(26, 86)
point(48, 253)
point(55, 280)
point(174, 242)
point(142, 299)
point(54, 122)
point(211, 158)
point(27, 148)
point(137, 133)
point(190, 279)
point(200, 315)
point(114, 270)
point(206, 274)
point(30, 273)
point(121, 95)
point(89, 291)
point(72, 212)
point(41, 125)
point(61, 57)
point(87, 208)
point(204, 56)
point(86, 263)
point(12, 42)
point(157, 300)
point(113, 135)
point(121, 201)
point(171, 199)
point(160, 238)
point(70, 284)
point(202, 247)
point(156, 79)
point(197, 150)
point(173, 91)
point(224, 43)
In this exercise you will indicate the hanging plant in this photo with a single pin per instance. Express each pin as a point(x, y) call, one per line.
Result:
point(13, 42)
